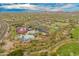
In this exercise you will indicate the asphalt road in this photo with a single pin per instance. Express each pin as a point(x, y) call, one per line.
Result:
point(3, 29)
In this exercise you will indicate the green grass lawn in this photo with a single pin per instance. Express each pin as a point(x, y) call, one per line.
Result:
point(75, 33)
point(70, 49)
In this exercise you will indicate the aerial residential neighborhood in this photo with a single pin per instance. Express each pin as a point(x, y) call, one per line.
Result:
point(39, 29)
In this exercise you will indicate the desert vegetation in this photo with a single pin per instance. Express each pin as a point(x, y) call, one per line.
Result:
point(54, 30)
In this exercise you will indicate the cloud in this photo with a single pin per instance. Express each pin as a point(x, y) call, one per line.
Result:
point(19, 6)
point(62, 8)
point(37, 7)
point(68, 6)
point(26, 6)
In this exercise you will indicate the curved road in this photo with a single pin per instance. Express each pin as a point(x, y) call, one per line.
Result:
point(3, 28)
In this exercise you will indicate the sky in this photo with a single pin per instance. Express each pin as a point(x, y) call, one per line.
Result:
point(39, 7)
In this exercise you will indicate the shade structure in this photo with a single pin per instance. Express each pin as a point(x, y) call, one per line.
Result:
point(21, 30)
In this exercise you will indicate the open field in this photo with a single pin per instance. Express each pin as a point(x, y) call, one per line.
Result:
point(70, 49)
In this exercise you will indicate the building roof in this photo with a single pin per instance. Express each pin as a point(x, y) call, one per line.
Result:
point(21, 30)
